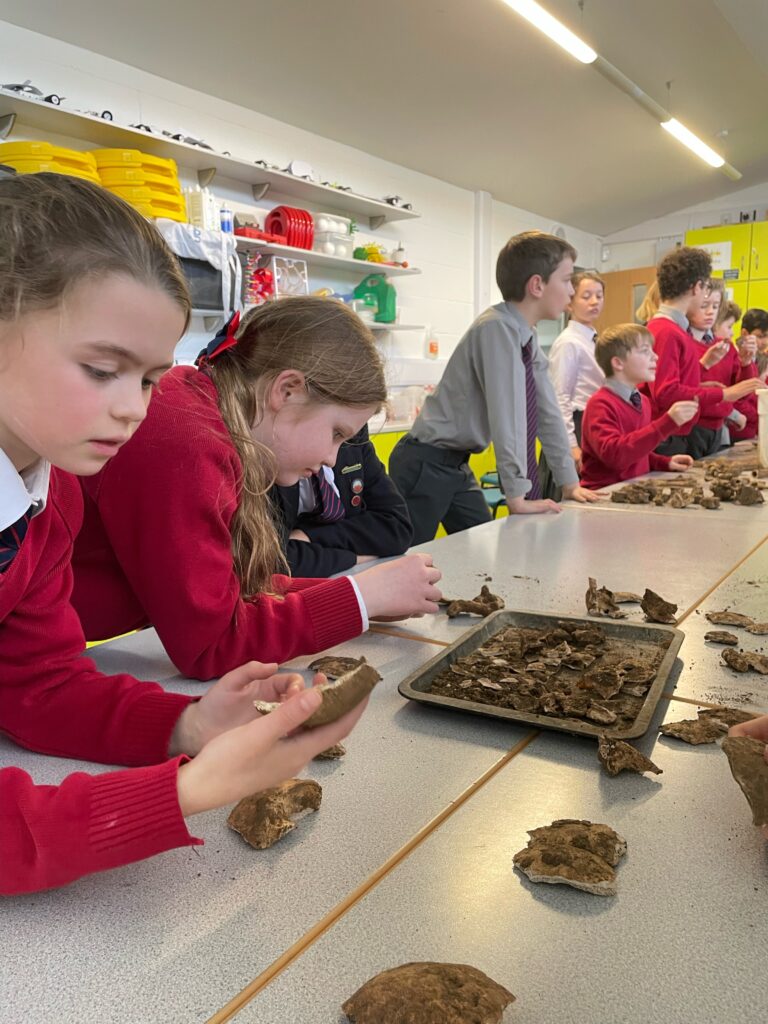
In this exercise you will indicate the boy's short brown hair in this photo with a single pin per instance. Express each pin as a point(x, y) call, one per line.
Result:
point(619, 341)
point(755, 320)
point(682, 270)
point(728, 310)
point(524, 256)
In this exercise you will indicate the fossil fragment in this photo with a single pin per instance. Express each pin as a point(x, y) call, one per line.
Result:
point(573, 852)
point(626, 597)
point(332, 753)
point(657, 609)
point(338, 698)
point(601, 602)
point(693, 730)
point(429, 993)
point(747, 762)
point(710, 502)
point(482, 605)
point(757, 628)
point(605, 681)
point(335, 665)
point(745, 661)
point(598, 713)
point(729, 619)
point(617, 756)
point(725, 717)
point(633, 494)
point(748, 494)
point(637, 672)
point(721, 636)
point(264, 818)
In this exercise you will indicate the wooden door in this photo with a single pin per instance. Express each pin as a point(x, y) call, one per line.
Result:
point(622, 288)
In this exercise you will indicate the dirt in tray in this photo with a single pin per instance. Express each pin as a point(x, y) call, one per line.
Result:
point(572, 671)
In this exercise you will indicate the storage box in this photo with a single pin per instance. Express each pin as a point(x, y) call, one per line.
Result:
point(333, 244)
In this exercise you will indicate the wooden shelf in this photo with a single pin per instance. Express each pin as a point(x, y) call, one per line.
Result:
point(17, 109)
point(321, 259)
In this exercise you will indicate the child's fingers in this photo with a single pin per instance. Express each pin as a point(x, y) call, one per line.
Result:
point(239, 678)
point(287, 683)
point(292, 713)
point(319, 679)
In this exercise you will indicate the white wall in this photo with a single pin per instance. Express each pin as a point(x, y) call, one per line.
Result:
point(644, 244)
point(441, 243)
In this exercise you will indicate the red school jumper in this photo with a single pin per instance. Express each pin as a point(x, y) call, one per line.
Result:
point(730, 371)
point(53, 700)
point(617, 440)
point(156, 548)
point(678, 377)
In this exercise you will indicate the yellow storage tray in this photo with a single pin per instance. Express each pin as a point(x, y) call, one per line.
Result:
point(52, 166)
point(132, 193)
point(135, 158)
point(127, 176)
point(45, 151)
point(164, 206)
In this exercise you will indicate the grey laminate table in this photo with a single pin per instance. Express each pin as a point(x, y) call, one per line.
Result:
point(685, 940)
point(175, 938)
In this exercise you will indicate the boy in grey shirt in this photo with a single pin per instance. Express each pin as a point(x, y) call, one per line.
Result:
point(494, 388)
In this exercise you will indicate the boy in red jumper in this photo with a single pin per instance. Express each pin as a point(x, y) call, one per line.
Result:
point(724, 364)
point(618, 435)
point(684, 285)
point(92, 303)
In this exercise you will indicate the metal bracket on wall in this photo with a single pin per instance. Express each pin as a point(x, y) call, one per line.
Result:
point(7, 121)
point(376, 222)
point(206, 175)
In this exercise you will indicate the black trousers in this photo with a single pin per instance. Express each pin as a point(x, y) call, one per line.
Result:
point(438, 487)
point(549, 488)
point(699, 443)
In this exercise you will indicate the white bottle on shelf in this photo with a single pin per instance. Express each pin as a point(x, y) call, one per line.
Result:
point(195, 206)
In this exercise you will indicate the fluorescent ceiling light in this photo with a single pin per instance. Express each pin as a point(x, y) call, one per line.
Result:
point(551, 27)
point(693, 142)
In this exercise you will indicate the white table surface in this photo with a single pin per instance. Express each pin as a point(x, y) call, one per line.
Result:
point(175, 938)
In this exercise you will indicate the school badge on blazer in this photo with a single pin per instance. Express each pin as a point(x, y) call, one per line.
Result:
point(351, 469)
point(357, 486)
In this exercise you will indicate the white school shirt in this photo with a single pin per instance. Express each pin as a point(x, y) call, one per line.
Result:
point(20, 490)
point(573, 371)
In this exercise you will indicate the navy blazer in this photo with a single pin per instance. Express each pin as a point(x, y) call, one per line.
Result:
point(376, 520)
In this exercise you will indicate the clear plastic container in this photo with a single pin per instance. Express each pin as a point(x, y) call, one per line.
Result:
point(332, 223)
point(333, 244)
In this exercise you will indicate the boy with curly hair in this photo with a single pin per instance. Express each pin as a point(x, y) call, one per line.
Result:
point(684, 285)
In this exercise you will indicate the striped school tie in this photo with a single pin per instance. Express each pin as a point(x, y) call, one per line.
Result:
point(11, 538)
point(636, 400)
point(329, 508)
point(531, 416)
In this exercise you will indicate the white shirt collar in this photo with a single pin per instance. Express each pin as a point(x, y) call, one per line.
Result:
point(581, 330)
point(20, 490)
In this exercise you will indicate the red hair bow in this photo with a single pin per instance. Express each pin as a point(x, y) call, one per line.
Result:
point(224, 339)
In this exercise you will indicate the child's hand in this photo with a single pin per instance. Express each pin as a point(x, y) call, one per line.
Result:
point(680, 462)
point(400, 588)
point(738, 419)
point(576, 456)
point(229, 703)
point(261, 754)
point(714, 354)
point(521, 507)
point(575, 492)
point(747, 349)
point(744, 387)
point(682, 412)
point(298, 535)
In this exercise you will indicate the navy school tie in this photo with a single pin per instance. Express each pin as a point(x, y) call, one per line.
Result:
point(11, 538)
point(329, 507)
point(531, 416)
point(637, 400)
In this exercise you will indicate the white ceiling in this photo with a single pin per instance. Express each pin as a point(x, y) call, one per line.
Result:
point(467, 91)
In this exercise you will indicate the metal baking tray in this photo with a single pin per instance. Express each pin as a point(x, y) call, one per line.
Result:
point(640, 635)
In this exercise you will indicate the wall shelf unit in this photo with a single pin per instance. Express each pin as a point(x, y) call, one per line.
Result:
point(16, 109)
point(323, 260)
